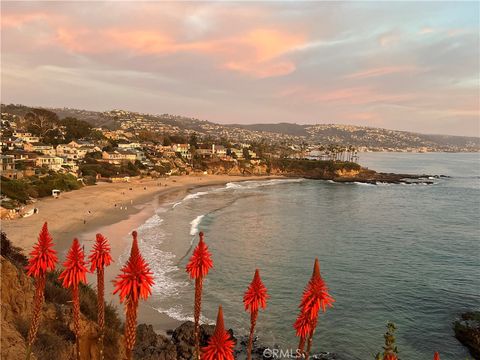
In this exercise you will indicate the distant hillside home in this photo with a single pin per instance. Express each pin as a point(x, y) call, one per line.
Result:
point(166, 151)
point(39, 147)
point(219, 150)
point(74, 150)
point(129, 145)
point(7, 162)
point(27, 137)
point(50, 162)
point(205, 151)
point(238, 153)
point(118, 157)
point(317, 155)
point(183, 150)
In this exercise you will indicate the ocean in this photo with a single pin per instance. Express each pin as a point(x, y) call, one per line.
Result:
point(403, 253)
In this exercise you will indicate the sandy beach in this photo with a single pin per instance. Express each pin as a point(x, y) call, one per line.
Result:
point(78, 212)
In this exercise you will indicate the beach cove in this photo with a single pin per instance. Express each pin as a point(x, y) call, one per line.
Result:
point(115, 210)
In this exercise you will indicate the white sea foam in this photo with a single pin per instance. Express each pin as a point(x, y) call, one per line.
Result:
point(255, 183)
point(191, 197)
point(152, 222)
point(363, 184)
point(194, 225)
point(177, 312)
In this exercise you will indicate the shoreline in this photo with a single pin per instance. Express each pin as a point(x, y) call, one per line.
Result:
point(77, 212)
point(65, 221)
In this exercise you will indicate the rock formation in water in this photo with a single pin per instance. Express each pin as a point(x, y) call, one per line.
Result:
point(467, 331)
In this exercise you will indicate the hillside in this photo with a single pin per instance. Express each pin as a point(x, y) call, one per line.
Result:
point(365, 138)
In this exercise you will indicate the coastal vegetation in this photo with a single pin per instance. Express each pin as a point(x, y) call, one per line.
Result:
point(55, 338)
point(313, 166)
point(37, 186)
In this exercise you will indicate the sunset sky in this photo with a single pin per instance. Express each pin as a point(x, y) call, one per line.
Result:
point(400, 65)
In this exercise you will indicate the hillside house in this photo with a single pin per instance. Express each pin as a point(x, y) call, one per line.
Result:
point(50, 162)
point(26, 137)
point(39, 147)
point(118, 157)
point(183, 150)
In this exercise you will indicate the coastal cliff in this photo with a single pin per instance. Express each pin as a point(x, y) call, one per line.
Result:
point(312, 169)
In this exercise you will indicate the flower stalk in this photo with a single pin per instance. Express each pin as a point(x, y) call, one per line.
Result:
point(255, 297)
point(73, 274)
point(99, 259)
point(315, 297)
point(198, 267)
point(132, 284)
point(42, 259)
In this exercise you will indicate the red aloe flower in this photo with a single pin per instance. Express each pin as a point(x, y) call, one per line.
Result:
point(255, 297)
point(99, 259)
point(136, 279)
point(200, 262)
point(198, 266)
point(75, 270)
point(100, 254)
point(315, 297)
point(43, 256)
point(436, 356)
point(74, 273)
point(220, 346)
point(42, 259)
point(303, 325)
point(133, 284)
point(390, 356)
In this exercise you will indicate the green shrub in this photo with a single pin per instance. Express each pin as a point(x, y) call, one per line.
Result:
point(15, 189)
point(12, 253)
point(34, 186)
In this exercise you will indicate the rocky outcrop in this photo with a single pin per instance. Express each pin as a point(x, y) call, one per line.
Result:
point(17, 293)
point(313, 169)
point(150, 345)
point(467, 331)
point(180, 346)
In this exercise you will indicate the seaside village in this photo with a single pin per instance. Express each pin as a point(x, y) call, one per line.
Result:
point(43, 156)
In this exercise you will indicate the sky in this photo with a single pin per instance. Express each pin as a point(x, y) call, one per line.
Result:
point(399, 65)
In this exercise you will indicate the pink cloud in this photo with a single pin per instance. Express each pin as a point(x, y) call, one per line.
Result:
point(256, 53)
point(15, 20)
point(347, 96)
point(381, 71)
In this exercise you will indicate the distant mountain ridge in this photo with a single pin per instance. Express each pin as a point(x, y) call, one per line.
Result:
point(323, 134)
